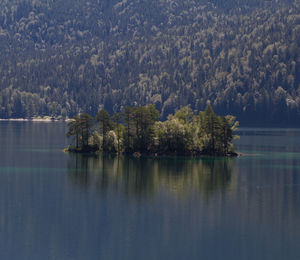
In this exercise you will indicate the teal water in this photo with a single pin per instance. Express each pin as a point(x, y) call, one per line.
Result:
point(59, 206)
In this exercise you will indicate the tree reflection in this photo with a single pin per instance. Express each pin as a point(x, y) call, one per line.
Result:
point(78, 169)
point(146, 176)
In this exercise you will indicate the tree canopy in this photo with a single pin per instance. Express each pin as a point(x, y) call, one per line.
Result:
point(138, 131)
point(61, 57)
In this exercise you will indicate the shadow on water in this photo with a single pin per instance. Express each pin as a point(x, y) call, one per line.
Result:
point(146, 176)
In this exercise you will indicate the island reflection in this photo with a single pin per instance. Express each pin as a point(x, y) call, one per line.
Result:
point(146, 176)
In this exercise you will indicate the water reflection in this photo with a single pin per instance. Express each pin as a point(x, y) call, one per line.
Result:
point(147, 176)
point(61, 206)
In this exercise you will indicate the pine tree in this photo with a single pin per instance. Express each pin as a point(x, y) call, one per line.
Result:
point(127, 119)
point(116, 118)
point(105, 125)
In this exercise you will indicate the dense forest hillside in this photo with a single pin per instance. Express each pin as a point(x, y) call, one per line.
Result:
point(60, 57)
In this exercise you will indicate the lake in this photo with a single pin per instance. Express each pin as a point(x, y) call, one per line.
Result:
point(55, 205)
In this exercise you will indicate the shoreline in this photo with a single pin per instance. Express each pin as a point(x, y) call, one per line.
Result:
point(46, 120)
point(94, 151)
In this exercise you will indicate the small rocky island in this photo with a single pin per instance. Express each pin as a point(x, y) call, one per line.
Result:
point(137, 131)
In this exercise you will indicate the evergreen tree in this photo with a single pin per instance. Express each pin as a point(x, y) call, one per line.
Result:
point(210, 129)
point(116, 118)
point(181, 134)
point(143, 119)
point(105, 125)
point(80, 127)
point(127, 119)
point(86, 123)
point(74, 130)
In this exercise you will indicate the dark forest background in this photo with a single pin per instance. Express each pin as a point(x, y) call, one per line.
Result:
point(61, 57)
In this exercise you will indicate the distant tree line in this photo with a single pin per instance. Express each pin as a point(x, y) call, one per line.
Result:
point(137, 131)
point(59, 58)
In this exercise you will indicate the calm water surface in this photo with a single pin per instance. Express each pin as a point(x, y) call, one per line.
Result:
point(59, 206)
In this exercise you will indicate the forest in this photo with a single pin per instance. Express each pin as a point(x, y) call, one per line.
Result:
point(137, 131)
point(64, 57)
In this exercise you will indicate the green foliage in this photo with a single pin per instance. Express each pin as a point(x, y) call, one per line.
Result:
point(181, 134)
point(185, 115)
point(143, 119)
point(63, 57)
point(80, 128)
point(127, 135)
point(116, 119)
point(74, 129)
point(105, 125)
point(173, 137)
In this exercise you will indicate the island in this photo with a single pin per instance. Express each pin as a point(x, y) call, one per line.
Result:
point(137, 131)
